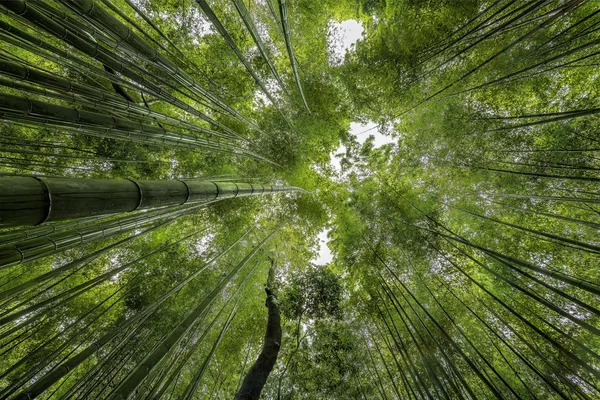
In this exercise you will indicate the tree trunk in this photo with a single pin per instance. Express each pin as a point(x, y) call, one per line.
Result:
point(259, 372)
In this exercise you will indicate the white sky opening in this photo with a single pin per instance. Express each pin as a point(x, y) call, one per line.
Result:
point(324, 255)
point(361, 132)
point(342, 38)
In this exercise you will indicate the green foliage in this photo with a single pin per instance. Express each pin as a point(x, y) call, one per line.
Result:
point(465, 250)
point(314, 293)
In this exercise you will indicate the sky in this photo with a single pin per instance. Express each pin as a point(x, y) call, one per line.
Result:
point(362, 133)
point(343, 36)
point(347, 34)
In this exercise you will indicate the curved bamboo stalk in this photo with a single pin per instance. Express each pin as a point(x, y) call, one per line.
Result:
point(283, 12)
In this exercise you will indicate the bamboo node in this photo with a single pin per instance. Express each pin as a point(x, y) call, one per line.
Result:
point(140, 192)
point(189, 193)
point(48, 196)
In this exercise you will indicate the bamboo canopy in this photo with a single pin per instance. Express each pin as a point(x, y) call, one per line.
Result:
point(34, 200)
point(464, 250)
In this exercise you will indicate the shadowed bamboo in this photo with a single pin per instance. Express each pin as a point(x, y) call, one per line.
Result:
point(24, 109)
point(101, 54)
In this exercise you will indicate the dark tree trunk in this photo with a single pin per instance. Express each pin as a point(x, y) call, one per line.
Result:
point(259, 372)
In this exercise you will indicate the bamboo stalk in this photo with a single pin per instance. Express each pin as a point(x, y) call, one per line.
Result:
point(33, 201)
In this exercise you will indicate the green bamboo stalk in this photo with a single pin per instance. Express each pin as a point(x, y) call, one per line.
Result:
point(528, 323)
point(81, 288)
point(158, 390)
point(23, 109)
point(49, 228)
point(31, 249)
point(534, 296)
point(473, 346)
point(400, 346)
point(383, 361)
point(133, 380)
point(504, 342)
point(580, 283)
point(556, 371)
point(97, 16)
point(73, 264)
point(283, 12)
point(405, 382)
point(131, 22)
point(60, 371)
point(400, 310)
point(539, 64)
point(94, 50)
point(421, 347)
point(227, 37)
point(531, 7)
point(100, 369)
point(553, 216)
point(580, 245)
point(193, 385)
point(88, 96)
point(460, 351)
point(247, 19)
point(32, 201)
point(67, 342)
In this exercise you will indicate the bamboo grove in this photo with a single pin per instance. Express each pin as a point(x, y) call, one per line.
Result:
point(162, 160)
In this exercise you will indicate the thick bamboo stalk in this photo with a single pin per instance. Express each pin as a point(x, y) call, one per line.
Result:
point(32, 201)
